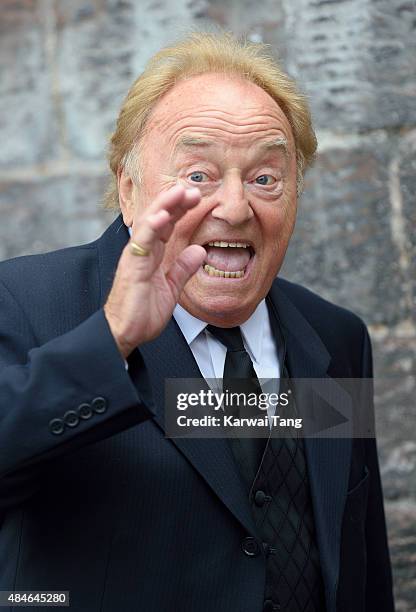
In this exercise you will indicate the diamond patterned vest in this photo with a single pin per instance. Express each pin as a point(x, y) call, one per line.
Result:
point(276, 475)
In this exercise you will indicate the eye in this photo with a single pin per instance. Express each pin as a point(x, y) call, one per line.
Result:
point(265, 179)
point(197, 176)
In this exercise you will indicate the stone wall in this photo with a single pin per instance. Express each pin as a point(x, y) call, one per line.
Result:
point(64, 69)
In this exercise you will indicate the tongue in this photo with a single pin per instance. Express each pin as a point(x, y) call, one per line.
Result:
point(230, 259)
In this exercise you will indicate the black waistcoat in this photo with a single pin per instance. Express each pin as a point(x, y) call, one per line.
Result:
point(281, 505)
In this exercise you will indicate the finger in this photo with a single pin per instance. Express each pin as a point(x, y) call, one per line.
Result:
point(151, 229)
point(161, 227)
point(159, 220)
point(191, 198)
point(162, 224)
point(176, 200)
point(165, 232)
point(158, 225)
point(185, 266)
point(163, 221)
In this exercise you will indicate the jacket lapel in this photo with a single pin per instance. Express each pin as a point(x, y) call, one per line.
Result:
point(328, 459)
point(109, 247)
point(167, 357)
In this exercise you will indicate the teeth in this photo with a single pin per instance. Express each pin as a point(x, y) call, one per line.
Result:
point(222, 243)
point(223, 273)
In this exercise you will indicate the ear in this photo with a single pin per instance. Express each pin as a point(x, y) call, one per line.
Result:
point(126, 192)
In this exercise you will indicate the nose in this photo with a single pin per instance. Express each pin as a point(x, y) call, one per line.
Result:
point(232, 204)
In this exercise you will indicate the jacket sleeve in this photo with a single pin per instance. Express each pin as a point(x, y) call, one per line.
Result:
point(55, 398)
point(379, 589)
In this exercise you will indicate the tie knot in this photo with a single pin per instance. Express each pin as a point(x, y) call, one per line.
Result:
point(230, 337)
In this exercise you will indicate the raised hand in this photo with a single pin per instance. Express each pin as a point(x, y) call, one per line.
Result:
point(143, 296)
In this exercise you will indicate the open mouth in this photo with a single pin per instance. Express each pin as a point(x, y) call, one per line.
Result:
point(227, 259)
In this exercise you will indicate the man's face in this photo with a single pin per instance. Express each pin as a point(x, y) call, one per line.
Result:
point(228, 137)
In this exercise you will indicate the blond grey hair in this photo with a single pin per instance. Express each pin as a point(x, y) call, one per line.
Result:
point(201, 53)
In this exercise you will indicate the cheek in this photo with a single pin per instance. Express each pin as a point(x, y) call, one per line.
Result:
point(276, 230)
point(287, 216)
point(276, 225)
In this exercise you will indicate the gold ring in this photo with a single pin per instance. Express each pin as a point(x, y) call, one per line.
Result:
point(136, 249)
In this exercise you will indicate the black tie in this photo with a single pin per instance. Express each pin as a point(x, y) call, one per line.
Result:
point(284, 515)
point(240, 377)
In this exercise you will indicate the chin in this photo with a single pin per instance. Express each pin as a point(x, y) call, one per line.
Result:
point(221, 310)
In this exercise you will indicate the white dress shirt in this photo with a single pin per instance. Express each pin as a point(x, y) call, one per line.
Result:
point(210, 353)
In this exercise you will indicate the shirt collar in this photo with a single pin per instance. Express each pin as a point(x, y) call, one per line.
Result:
point(190, 326)
point(252, 329)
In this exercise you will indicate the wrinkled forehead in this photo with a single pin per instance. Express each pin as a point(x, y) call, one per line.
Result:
point(213, 104)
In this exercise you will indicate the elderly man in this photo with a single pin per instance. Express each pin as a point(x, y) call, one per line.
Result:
point(207, 157)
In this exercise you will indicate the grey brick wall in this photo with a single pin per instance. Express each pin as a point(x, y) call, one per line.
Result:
point(65, 66)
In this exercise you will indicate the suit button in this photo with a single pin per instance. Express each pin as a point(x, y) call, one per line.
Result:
point(84, 411)
point(270, 606)
point(250, 547)
point(71, 419)
point(99, 405)
point(260, 498)
point(56, 426)
point(268, 550)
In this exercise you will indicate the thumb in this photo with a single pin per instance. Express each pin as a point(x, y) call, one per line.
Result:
point(184, 267)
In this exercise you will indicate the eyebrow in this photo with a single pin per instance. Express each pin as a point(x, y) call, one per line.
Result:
point(278, 144)
point(187, 141)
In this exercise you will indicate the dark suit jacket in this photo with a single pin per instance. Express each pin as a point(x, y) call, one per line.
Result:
point(119, 515)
